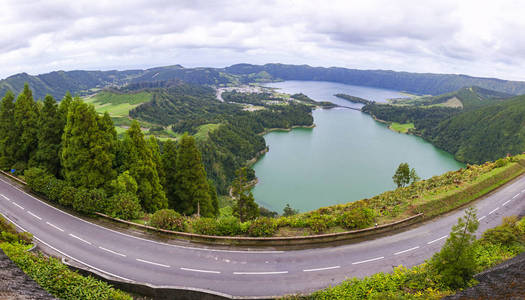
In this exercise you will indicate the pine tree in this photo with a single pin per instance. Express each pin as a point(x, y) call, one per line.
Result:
point(191, 185)
point(49, 137)
point(8, 135)
point(455, 263)
point(138, 159)
point(26, 126)
point(214, 197)
point(245, 207)
point(169, 165)
point(88, 147)
point(157, 159)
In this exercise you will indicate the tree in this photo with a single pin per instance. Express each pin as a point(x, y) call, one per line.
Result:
point(456, 263)
point(404, 175)
point(26, 126)
point(289, 211)
point(138, 159)
point(245, 207)
point(214, 198)
point(191, 185)
point(157, 159)
point(88, 148)
point(49, 135)
point(8, 135)
point(169, 165)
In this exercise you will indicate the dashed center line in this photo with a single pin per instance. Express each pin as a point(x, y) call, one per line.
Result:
point(152, 263)
point(76, 237)
point(407, 250)
point(260, 273)
point(18, 205)
point(322, 269)
point(515, 196)
point(200, 271)
point(5, 198)
point(111, 251)
point(494, 210)
point(34, 215)
point(437, 240)
point(368, 260)
point(54, 226)
point(506, 202)
point(482, 218)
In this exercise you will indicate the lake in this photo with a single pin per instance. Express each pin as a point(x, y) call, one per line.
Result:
point(348, 155)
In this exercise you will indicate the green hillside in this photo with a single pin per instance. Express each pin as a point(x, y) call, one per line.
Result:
point(466, 98)
point(117, 104)
point(487, 133)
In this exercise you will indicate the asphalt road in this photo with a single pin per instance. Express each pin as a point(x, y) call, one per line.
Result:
point(240, 272)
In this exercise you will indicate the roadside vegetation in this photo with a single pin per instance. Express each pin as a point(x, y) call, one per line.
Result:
point(446, 272)
point(47, 271)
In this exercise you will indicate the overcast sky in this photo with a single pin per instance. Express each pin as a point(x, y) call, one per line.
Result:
point(480, 38)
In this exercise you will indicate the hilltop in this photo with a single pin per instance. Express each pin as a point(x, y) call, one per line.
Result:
point(87, 82)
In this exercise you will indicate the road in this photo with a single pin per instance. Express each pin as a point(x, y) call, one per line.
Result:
point(240, 272)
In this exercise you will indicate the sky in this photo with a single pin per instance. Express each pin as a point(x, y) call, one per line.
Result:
point(478, 38)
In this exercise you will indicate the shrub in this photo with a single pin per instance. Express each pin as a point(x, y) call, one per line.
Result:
point(320, 222)
point(55, 188)
point(168, 219)
point(262, 227)
point(228, 226)
point(67, 197)
point(125, 206)
point(87, 201)
point(20, 167)
point(358, 218)
point(47, 271)
point(10, 234)
point(38, 180)
point(206, 226)
point(505, 234)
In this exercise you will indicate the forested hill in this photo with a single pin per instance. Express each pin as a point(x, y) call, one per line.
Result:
point(487, 133)
point(85, 82)
point(466, 98)
point(419, 83)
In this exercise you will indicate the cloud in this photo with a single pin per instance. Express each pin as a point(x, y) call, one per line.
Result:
point(479, 38)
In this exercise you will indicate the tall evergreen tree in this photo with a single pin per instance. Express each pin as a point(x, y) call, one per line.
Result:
point(8, 135)
point(49, 137)
point(138, 159)
point(245, 206)
point(88, 147)
point(157, 159)
point(26, 126)
point(169, 165)
point(214, 197)
point(191, 185)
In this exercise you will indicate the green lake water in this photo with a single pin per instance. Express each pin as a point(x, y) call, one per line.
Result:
point(346, 157)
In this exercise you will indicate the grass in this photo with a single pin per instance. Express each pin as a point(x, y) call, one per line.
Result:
point(401, 128)
point(117, 105)
point(203, 130)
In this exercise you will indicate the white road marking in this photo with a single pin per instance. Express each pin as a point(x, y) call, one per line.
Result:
point(76, 237)
point(18, 205)
point(506, 202)
point(437, 240)
point(111, 251)
point(495, 209)
point(368, 260)
point(152, 263)
point(54, 226)
point(515, 196)
point(200, 271)
point(260, 273)
point(482, 218)
point(6, 198)
point(34, 215)
point(321, 269)
point(523, 191)
point(142, 239)
point(401, 252)
point(66, 255)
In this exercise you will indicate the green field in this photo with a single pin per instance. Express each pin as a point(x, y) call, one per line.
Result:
point(117, 105)
point(203, 130)
point(402, 128)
